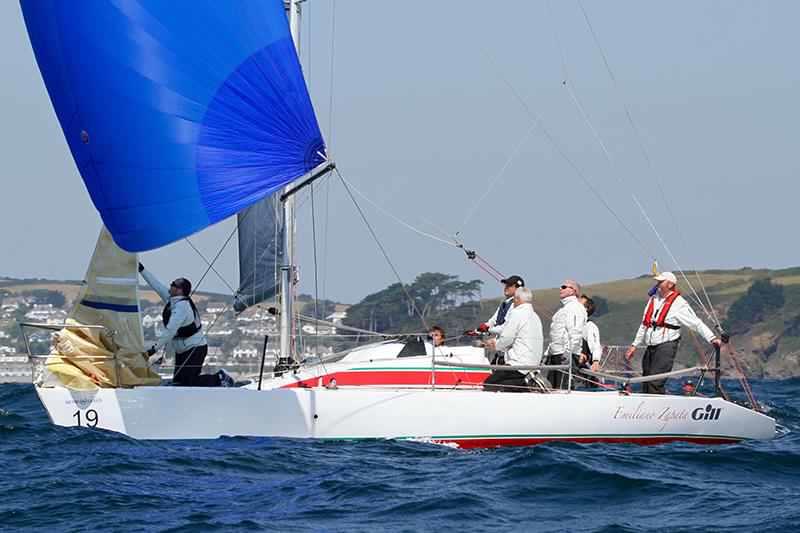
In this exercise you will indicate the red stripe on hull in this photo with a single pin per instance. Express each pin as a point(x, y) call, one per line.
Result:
point(530, 441)
point(393, 377)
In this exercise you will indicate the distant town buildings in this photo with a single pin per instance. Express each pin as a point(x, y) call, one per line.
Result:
point(236, 342)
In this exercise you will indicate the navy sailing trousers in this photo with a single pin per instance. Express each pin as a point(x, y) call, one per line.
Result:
point(188, 365)
point(657, 360)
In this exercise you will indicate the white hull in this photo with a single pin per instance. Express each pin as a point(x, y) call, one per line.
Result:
point(469, 418)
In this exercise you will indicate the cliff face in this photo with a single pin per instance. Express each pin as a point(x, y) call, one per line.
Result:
point(766, 344)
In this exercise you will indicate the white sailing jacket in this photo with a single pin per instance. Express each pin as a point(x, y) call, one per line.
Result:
point(592, 335)
point(182, 315)
point(566, 329)
point(521, 337)
point(680, 314)
point(494, 328)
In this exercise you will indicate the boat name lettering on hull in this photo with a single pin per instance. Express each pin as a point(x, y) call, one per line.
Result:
point(72, 401)
point(641, 412)
point(665, 415)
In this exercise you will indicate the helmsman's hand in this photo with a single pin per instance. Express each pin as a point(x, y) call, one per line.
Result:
point(630, 352)
point(583, 359)
point(716, 342)
point(596, 366)
point(490, 343)
point(151, 350)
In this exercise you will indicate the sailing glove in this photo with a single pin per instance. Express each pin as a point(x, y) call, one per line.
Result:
point(151, 350)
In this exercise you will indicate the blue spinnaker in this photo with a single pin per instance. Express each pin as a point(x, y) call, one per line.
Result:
point(178, 113)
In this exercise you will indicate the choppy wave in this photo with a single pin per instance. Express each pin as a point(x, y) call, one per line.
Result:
point(64, 479)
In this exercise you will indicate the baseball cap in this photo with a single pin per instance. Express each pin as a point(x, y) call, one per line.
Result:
point(666, 276)
point(513, 280)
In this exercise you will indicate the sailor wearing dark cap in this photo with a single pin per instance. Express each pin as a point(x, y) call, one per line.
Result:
point(660, 331)
point(495, 324)
point(182, 334)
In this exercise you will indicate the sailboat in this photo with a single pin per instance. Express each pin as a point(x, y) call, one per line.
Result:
point(173, 131)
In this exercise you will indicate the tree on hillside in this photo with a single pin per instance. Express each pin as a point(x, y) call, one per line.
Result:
point(380, 311)
point(762, 297)
point(434, 294)
point(600, 306)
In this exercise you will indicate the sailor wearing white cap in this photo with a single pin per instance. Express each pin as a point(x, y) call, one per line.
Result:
point(660, 331)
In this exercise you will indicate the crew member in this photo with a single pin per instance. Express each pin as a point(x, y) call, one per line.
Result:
point(437, 336)
point(183, 335)
point(592, 350)
point(495, 324)
point(566, 332)
point(660, 331)
point(522, 341)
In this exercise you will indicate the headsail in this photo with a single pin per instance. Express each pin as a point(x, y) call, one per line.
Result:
point(87, 358)
point(177, 114)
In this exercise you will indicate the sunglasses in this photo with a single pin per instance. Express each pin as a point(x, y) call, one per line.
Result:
point(568, 287)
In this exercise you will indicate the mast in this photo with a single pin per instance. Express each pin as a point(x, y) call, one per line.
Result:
point(288, 268)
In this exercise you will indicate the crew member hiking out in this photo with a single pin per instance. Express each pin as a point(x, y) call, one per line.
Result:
point(495, 324)
point(182, 335)
point(660, 331)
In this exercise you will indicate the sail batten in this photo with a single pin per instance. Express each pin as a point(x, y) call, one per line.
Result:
point(178, 114)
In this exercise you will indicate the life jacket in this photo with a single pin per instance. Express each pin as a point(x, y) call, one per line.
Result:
point(186, 331)
point(662, 313)
point(502, 311)
point(585, 348)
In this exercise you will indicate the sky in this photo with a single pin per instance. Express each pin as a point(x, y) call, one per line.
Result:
point(432, 120)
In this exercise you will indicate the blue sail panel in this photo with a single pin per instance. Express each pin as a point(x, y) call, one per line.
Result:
point(178, 114)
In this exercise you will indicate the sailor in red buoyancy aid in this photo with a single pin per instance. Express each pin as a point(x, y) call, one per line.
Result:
point(660, 331)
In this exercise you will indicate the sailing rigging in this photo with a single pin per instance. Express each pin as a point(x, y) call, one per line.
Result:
point(211, 117)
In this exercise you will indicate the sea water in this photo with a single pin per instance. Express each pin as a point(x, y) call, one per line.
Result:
point(69, 479)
